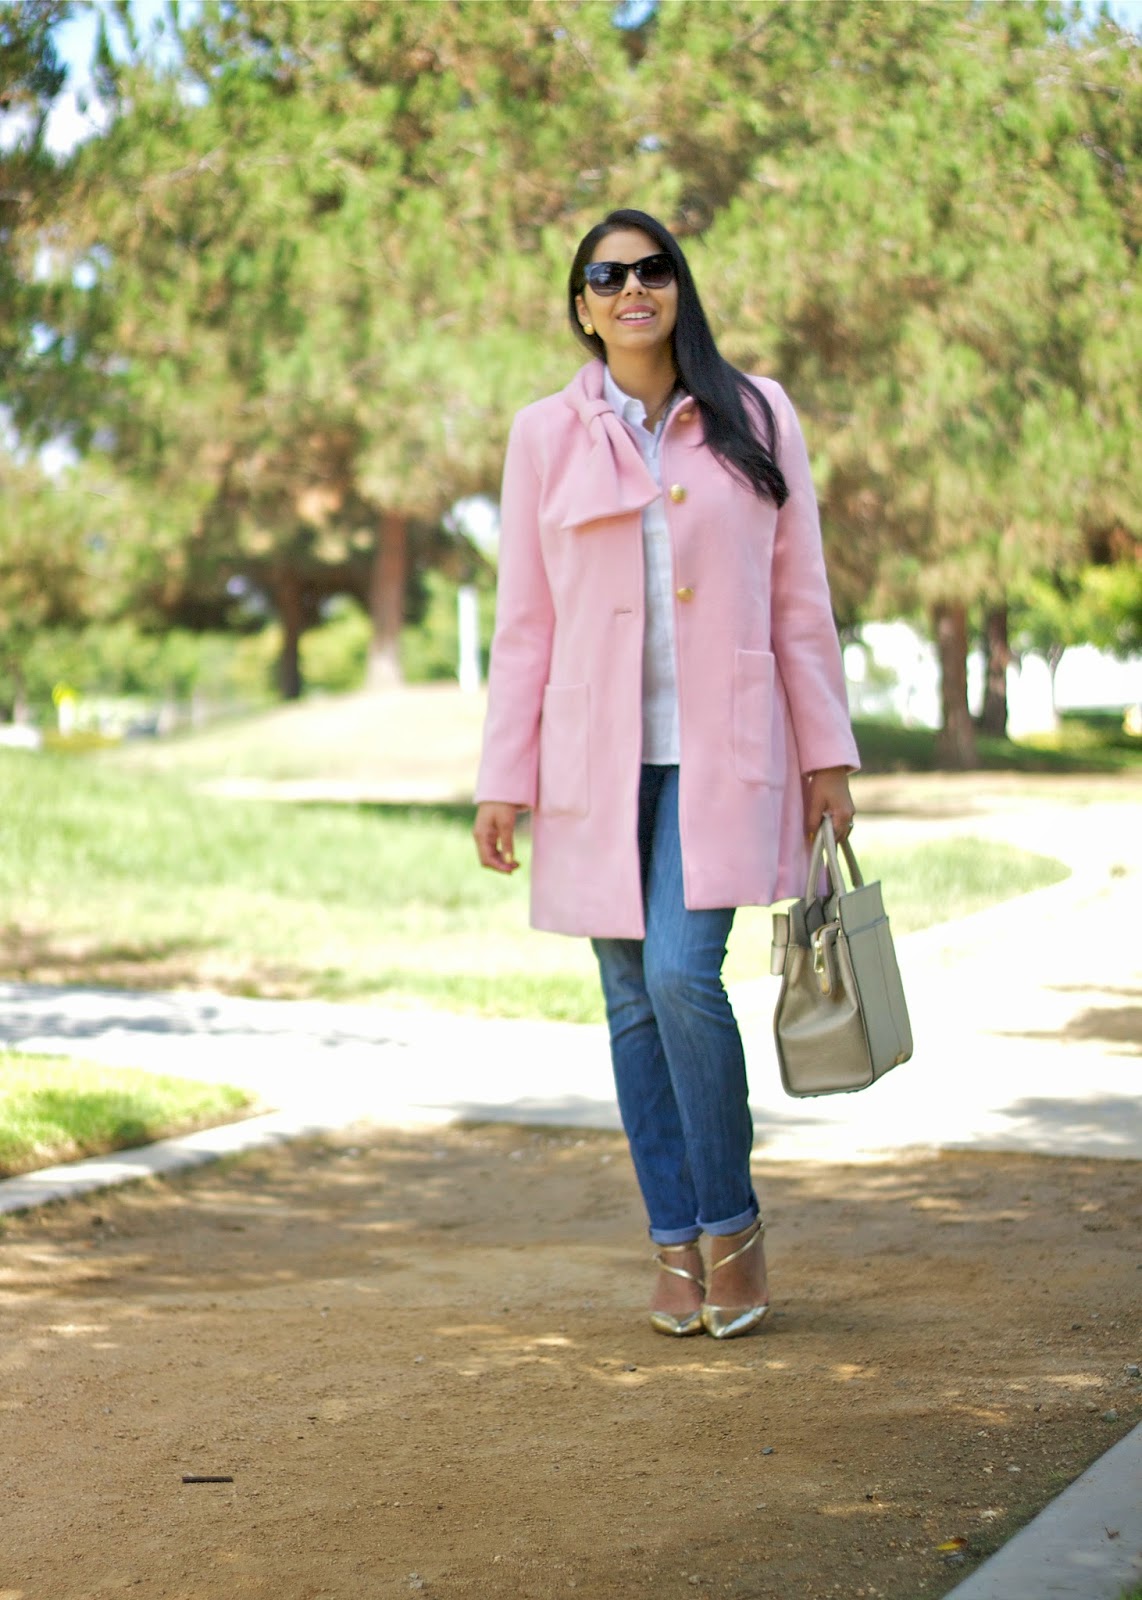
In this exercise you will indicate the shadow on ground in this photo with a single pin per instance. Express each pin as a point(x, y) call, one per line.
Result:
point(426, 1354)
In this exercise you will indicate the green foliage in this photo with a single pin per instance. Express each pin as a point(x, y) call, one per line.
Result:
point(1099, 605)
point(52, 1110)
point(1091, 738)
point(119, 660)
point(311, 307)
point(306, 277)
point(430, 650)
point(959, 428)
point(30, 77)
point(55, 565)
point(333, 655)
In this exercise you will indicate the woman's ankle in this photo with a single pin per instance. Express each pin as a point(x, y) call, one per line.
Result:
point(743, 1280)
point(681, 1278)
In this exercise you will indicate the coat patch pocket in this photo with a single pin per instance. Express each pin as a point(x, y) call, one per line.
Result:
point(753, 715)
point(564, 777)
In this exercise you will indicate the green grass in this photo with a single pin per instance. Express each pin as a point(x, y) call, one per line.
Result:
point(137, 880)
point(59, 1111)
point(387, 744)
point(1084, 742)
point(381, 742)
point(922, 885)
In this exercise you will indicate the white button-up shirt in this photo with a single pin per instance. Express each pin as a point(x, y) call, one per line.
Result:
point(660, 746)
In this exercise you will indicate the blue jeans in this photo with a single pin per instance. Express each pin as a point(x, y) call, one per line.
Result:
point(677, 1053)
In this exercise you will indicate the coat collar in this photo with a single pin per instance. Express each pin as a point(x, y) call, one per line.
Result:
point(614, 479)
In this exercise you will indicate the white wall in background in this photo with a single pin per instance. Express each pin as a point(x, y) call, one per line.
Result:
point(1086, 678)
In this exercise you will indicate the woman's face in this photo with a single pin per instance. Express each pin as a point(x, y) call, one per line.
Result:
point(635, 319)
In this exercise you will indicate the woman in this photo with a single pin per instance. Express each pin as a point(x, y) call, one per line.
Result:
point(666, 694)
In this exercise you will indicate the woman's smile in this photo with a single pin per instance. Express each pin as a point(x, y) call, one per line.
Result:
point(635, 308)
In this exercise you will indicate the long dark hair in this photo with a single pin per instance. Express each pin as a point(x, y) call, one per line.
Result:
point(739, 421)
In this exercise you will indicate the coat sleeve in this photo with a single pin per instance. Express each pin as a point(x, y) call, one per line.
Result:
point(521, 645)
point(804, 634)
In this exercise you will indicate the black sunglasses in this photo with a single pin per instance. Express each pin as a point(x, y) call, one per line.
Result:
point(609, 277)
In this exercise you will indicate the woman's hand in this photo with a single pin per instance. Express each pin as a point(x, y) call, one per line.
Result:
point(494, 833)
point(829, 791)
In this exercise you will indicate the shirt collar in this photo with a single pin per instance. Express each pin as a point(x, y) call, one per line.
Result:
point(627, 407)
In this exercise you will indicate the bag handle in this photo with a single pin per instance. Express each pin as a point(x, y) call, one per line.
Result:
point(824, 854)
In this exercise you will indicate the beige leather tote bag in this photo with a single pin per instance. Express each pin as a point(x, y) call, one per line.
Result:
point(841, 1021)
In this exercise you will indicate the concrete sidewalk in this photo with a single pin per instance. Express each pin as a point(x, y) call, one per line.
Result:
point(1027, 1020)
point(1084, 1545)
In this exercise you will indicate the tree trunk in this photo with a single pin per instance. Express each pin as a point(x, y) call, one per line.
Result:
point(21, 709)
point(386, 603)
point(955, 742)
point(993, 717)
point(291, 614)
point(1054, 656)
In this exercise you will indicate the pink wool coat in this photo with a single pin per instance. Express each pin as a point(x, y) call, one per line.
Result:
point(761, 687)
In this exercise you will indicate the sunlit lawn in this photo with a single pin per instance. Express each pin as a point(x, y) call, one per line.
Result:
point(141, 882)
point(53, 1110)
point(431, 735)
point(1084, 742)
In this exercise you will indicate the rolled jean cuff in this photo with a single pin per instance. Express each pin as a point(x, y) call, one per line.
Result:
point(689, 1235)
point(732, 1224)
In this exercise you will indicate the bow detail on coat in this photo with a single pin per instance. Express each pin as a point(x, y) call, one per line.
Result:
point(614, 479)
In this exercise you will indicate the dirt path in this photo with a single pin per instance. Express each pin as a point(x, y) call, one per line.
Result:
point(422, 1359)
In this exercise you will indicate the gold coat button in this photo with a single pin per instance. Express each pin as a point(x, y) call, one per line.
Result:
point(677, 494)
point(685, 593)
point(686, 415)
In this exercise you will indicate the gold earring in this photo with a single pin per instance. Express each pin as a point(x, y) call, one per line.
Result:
point(588, 328)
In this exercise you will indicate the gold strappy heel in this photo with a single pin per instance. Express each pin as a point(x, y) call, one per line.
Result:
point(730, 1322)
point(665, 1321)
